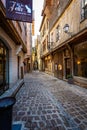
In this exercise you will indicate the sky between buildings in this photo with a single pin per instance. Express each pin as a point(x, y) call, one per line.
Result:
point(37, 7)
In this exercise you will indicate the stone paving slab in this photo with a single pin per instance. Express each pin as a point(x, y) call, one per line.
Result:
point(46, 103)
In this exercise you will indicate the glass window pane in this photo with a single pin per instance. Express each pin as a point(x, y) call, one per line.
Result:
point(80, 60)
point(4, 70)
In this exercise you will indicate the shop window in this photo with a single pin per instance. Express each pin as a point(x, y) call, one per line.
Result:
point(80, 60)
point(4, 76)
point(84, 9)
point(66, 53)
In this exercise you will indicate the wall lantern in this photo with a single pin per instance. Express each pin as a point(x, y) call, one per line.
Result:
point(78, 62)
point(66, 29)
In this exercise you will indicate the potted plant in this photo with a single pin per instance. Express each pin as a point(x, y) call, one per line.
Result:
point(70, 79)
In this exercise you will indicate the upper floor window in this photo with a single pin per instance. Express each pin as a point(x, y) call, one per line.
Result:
point(47, 22)
point(47, 41)
point(84, 9)
point(51, 38)
point(57, 33)
point(44, 45)
point(44, 29)
point(25, 29)
point(56, 3)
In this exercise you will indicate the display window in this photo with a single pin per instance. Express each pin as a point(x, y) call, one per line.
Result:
point(80, 60)
point(4, 68)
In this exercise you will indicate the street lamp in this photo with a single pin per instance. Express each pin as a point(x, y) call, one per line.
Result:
point(66, 29)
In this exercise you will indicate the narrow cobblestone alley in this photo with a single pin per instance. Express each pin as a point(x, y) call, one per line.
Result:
point(47, 103)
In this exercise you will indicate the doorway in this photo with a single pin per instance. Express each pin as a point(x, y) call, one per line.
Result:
point(67, 67)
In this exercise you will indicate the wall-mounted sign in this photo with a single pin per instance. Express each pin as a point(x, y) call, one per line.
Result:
point(20, 10)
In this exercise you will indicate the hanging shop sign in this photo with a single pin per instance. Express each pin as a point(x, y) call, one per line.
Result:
point(20, 10)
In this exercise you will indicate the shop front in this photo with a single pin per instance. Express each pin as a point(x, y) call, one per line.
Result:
point(4, 68)
point(80, 63)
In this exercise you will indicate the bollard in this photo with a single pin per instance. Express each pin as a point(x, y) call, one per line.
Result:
point(6, 105)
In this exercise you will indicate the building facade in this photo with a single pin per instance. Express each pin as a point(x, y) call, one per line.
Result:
point(13, 47)
point(28, 56)
point(65, 40)
point(34, 58)
point(38, 48)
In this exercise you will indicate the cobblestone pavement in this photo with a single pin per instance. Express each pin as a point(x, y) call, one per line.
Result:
point(47, 103)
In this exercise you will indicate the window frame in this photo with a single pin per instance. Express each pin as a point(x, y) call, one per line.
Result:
point(57, 33)
point(83, 9)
